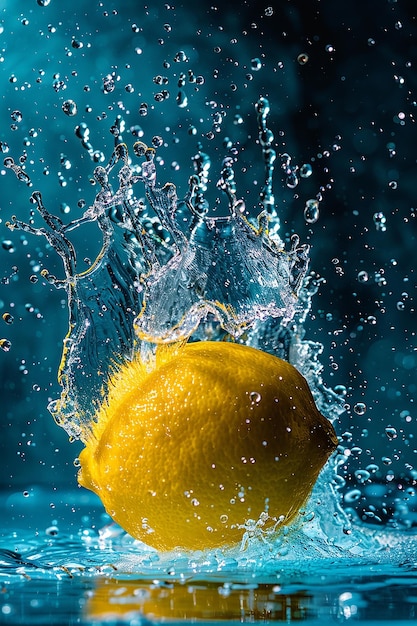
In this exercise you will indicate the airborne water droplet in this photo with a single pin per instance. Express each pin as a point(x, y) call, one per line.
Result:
point(311, 211)
point(69, 107)
point(391, 432)
point(360, 408)
point(306, 170)
point(5, 345)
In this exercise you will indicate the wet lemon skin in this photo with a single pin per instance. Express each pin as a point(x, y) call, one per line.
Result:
point(211, 437)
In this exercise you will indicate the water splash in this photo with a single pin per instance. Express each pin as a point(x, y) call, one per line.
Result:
point(168, 270)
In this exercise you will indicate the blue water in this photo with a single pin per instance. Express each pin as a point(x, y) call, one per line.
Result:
point(346, 106)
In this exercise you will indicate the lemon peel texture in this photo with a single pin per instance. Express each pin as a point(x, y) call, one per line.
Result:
point(213, 434)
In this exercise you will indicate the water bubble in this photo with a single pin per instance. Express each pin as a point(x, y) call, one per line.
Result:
point(311, 211)
point(25, 494)
point(43, 3)
point(52, 531)
point(269, 11)
point(360, 408)
point(4, 147)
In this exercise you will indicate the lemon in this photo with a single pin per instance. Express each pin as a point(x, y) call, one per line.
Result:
point(213, 435)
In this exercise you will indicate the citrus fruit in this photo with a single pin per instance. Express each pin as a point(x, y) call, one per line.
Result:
point(213, 434)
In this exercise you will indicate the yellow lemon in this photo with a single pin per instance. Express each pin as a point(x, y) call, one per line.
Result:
point(213, 435)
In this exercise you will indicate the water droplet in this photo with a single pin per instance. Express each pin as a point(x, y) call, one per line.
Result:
point(52, 531)
point(311, 211)
point(363, 276)
point(69, 107)
point(359, 408)
point(16, 116)
point(362, 476)
point(157, 141)
point(8, 245)
point(306, 170)
point(302, 58)
point(340, 390)
point(8, 318)
point(255, 64)
point(269, 11)
point(352, 496)
point(380, 221)
point(391, 432)
point(180, 57)
point(108, 84)
point(5, 345)
point(143, 109)
point(182, 99)
point(43, 3)
point(255, 397)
